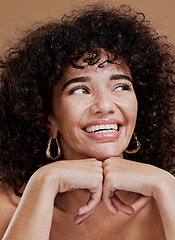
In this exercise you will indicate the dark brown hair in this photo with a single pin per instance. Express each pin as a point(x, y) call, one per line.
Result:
point(30, 69)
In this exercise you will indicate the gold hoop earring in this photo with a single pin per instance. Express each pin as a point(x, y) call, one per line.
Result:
point(138, 146)
point(48, 154)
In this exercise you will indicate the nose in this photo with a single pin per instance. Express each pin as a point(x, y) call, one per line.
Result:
point(103, 103)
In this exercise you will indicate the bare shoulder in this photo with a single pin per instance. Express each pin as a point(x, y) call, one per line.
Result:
point(8, 204)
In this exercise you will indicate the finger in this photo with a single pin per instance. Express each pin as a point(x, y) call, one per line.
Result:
point(107, 199)
point(80, 218)
point(94, 200)
point(121, 206)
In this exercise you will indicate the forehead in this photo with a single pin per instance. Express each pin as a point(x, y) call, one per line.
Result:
point(100, 64)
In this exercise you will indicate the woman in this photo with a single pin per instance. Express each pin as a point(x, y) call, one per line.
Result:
point(100, 83)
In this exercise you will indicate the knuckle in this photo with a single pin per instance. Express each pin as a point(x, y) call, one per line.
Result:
point(109, 179)
point(109, 173)
point(107, 169)
point(98, 181)
point(96, 163)
point(105, 164)
point(99, 163)
point(107, 161)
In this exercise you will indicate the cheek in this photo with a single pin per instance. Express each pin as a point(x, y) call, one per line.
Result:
point(134, 109)
point(69, 115)
point(130, 108)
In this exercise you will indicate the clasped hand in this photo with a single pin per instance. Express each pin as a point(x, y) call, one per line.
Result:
point(103, 179)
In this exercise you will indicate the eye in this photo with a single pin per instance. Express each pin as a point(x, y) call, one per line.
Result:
point(122, 87)
point(79, 90)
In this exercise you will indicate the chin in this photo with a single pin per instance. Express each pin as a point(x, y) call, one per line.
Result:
point(107, 150)
point(102, 157)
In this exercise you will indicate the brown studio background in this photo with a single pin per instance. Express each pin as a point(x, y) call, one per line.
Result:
point(16, 15)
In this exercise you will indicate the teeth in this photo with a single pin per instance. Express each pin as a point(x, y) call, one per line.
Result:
point(105, 128)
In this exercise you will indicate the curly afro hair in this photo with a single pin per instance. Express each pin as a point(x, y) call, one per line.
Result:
point(31, 68)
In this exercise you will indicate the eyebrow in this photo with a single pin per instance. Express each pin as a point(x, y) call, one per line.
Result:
point(120, 76)
point(86, 79)
point(75, 80)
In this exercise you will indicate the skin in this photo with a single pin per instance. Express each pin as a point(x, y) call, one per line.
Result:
point(97, 101)
point(93, 193)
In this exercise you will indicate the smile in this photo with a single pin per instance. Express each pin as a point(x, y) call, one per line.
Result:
point(102, 128)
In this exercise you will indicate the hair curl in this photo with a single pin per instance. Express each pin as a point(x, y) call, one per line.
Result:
point(29, 70)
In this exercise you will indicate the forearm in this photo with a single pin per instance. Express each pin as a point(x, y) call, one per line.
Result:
point(33, 217)
point(165, 197)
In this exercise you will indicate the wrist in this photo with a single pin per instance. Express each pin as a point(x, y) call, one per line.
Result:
point(163, 185)
point(43, 182)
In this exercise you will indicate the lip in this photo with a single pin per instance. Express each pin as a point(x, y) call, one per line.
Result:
point(104, 136)
point(103, 122)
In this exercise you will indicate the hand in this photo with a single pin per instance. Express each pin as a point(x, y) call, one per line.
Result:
point(41, 190)
point(77, 174)
point(102, 180)
point(121, 174)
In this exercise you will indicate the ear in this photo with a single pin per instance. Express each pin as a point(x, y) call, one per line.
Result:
point(52, 128)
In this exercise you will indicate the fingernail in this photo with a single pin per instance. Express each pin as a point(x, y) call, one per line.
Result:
point(79, 222)
point(129, 213)
point(114, 212)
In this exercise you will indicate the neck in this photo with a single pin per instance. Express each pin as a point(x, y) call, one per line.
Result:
point(70, 202)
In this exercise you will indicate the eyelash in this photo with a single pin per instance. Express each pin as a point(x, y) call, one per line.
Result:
point(79, 87)
point(127, 87)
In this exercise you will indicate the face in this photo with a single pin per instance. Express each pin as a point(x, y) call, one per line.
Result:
point(94, 111)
